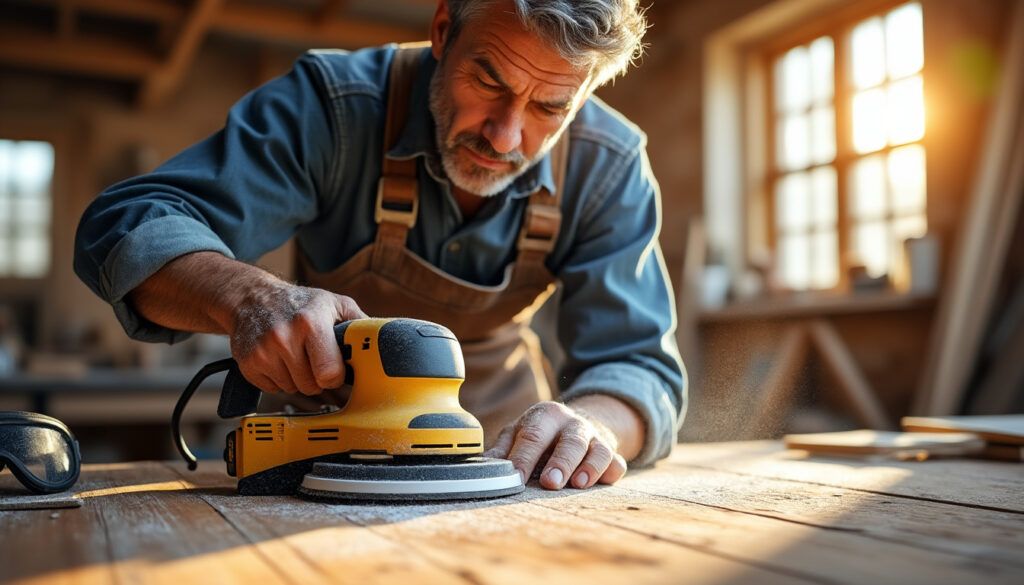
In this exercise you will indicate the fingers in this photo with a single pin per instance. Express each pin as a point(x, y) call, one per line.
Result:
point(570, 451)
point(290, 344)
point(503, 444)
point(579, 451)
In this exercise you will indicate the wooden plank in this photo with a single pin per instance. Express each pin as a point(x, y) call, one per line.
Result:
point(516, 542)
point(855, 386)
point(974, 532)
point(760, 526)
point(983, 240)
point(997, 428)
point(492, 541)
point(138, 523)
point(965, 482)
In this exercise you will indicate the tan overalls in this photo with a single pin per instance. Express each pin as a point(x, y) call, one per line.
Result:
point(505, 370)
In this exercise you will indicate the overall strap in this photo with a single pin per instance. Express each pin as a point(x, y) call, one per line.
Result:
point(543, 216)
point(397, 202)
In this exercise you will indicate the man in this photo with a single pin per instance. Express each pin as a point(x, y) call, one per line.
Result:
point(453, 184)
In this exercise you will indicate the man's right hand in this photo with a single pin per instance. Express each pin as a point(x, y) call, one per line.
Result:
point(282, 335)
point(283, 338)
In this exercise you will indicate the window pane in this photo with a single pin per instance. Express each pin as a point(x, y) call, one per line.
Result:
point(794, 147)
point(823, 135)
point(792, 81)
point(825, 260)
point(26, 171)
point(869, 120)
point(904, 41)
point(793, 202)
point(33, 164)
point(867, 189)
point(822, 78)
point(907, 179)
point(31, 254)
point(868, 54)
point(794, 264)
point(871, 247)
point(906, 111)
point(31, 211)
point(6, 178)
point(823, 195)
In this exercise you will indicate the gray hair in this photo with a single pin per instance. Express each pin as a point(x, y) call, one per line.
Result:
point(604, 34)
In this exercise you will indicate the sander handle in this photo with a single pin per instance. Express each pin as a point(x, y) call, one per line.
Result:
point(238, 397)
point(186, 395)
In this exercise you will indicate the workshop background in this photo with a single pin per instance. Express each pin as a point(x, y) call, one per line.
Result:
point(841, 184)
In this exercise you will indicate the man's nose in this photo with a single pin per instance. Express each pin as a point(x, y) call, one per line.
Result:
point(504, 128)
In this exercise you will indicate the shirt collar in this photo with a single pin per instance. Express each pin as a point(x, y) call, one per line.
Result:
point(417, 139)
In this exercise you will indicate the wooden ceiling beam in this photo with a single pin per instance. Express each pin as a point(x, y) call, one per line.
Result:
point(288, 27)
point(155, 10)
point(264, 22)
point(66, 20)
point(165, 80)
point(328, 10)
point(80, 55)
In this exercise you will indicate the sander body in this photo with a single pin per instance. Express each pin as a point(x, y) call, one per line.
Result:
point(402, 434)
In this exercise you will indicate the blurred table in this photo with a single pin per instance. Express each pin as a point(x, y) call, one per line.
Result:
point(747, 512)
point(110, 395)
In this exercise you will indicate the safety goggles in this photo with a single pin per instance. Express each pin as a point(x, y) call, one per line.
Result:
point(40, 451)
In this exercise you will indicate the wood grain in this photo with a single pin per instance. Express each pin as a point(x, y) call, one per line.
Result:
point(712, 513)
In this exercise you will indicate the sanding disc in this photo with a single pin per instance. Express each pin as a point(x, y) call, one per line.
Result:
point(473, 478)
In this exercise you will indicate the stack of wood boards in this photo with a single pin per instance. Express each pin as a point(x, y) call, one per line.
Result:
point(1003, 434)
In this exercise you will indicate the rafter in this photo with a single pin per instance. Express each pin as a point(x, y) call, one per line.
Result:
point(328, 10)
point(164, 80)
point(294, 28)
point(66, 49)
point(88, 56)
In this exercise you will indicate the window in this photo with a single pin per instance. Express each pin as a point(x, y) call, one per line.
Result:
point(26, 173)
point(846, 175)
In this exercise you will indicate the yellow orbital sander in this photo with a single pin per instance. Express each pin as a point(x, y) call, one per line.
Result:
point(402, 435)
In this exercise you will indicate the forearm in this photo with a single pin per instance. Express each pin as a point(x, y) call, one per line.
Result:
point(199, 292)
point(618, 417)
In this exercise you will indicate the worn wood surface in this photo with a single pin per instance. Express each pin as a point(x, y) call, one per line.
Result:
point(713, 513)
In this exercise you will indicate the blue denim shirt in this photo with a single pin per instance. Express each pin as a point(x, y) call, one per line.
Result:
point(301, 156)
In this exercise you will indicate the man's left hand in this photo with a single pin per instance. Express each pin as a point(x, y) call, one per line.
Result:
point(584, 442)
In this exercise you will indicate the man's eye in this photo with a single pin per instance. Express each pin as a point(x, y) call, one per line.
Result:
point(484, 84)
point(547, 112)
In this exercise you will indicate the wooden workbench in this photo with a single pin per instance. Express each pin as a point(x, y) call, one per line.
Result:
point(713, 513)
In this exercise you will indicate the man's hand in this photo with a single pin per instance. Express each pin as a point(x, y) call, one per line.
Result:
point(283, 338)
point(579, 444)
point(282, 335)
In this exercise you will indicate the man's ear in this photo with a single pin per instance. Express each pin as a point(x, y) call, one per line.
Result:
point(439, 29)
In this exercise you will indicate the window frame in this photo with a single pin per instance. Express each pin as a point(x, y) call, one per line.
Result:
point(840, 29)
point(40, 294)
point(737, 142)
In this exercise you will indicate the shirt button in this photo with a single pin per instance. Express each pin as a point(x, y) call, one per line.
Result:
point(454, 247)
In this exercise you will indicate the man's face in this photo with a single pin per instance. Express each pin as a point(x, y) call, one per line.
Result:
point(500, 98)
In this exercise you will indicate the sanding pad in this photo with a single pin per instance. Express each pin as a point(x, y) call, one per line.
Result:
point(472, 478)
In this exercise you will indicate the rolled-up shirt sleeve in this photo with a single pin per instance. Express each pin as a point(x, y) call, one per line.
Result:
point(617, 317)
point(240, 192)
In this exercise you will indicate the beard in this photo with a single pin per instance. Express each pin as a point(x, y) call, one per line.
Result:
point(464, 173)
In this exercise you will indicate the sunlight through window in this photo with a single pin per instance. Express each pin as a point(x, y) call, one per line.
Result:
point(874, 165)
point(26, 173)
